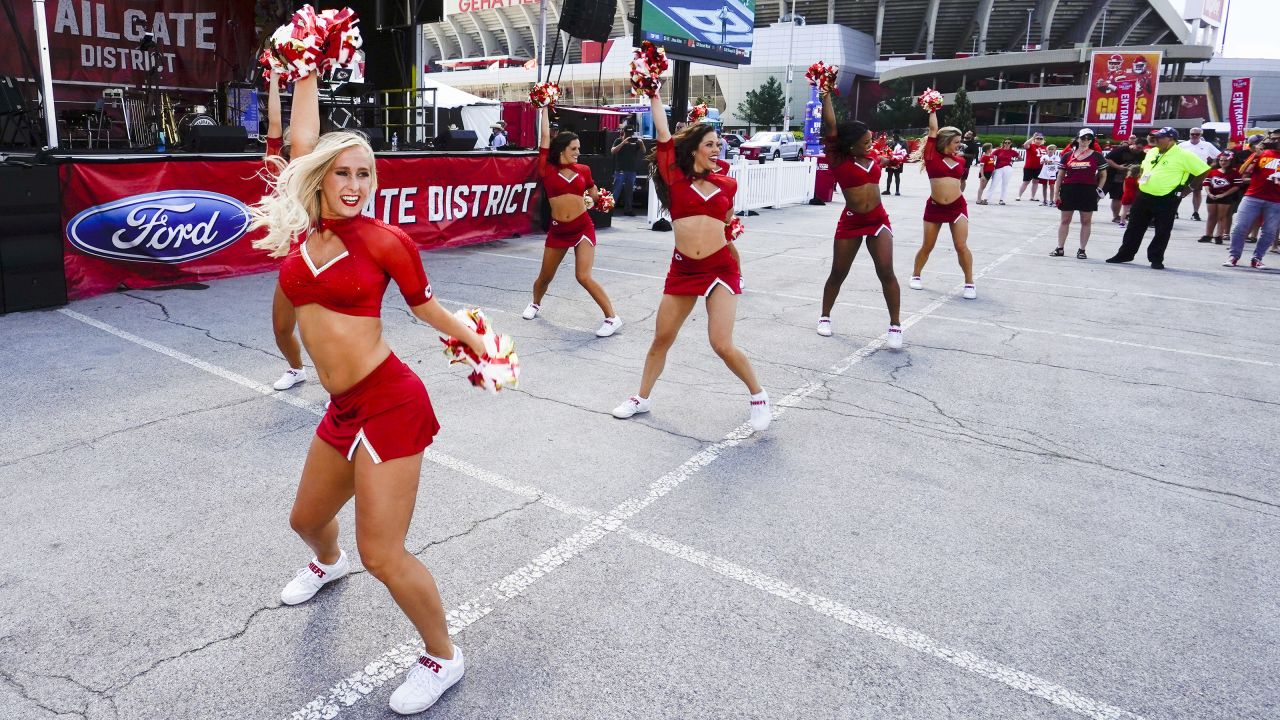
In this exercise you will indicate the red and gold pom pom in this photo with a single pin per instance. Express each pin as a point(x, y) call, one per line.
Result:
point(734, 229)
point(545, 94)
point(271, 63)
point(930, 100)
point(498, 367)
point(823, 77)
point(607, 202)
point(696, 113)
point(647, 67)
point(298, 44)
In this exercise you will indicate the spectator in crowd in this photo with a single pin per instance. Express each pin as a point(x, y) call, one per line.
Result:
point(1221, 187)
point(1034, 147)
point(1005, 156)
point(498, 137)
point(898, 152)
point(1207, 152)
point(987, 161)
point(1168, 172)
point(1048, 174)
point(1130, 193)
point(1080, 185)
point(1261, 200)
point(1119, 160)
point(627, 152)
point(971, 147)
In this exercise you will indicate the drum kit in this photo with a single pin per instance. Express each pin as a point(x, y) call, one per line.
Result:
point(143, 124)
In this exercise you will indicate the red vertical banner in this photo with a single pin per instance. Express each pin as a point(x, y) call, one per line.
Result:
point(1122, 128)
point(1239, 107)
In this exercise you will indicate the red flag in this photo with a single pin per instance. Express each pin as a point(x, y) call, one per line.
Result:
point(1239, 107)
point(1123, 126)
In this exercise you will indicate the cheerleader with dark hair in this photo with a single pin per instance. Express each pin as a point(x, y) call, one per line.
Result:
point(857, 168)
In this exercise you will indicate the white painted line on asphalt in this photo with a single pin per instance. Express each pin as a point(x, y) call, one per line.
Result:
point(1109, 341)
point(1117, 291)
point(906, 637)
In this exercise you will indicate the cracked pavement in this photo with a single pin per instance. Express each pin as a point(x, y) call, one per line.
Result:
point(1075, 475)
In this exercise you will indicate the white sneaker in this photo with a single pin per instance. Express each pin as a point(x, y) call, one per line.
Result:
point(609, 327)
point(894, 338)
point(970, 292)
point(915, 283)
point(311, 578)
point(291, 377)
point(761, 412)
point(531, 312)
point(426, 682)
point(824, 327)
point(634, 404)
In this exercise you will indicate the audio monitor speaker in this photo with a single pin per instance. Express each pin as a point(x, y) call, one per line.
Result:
point(588, 19)
point(217, 138)
point(455, 140)
point(31, 260)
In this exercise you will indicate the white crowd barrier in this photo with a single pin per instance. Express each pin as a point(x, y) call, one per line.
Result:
point(760, 185)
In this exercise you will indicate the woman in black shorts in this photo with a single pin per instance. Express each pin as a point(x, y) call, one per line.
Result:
point(1080, 183)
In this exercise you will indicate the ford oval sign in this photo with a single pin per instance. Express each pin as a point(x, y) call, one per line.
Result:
point(173, 226)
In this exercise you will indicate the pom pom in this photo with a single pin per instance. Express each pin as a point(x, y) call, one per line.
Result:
point(271, 63)
point(607, 202)
point(498, 367)
point(588, 201)
point(647, 67)
point(341, 45)
point(545, 94)
point(299, 43)
point(823, 77)
point(930, 100)
point(734, 229)
point(696, 113)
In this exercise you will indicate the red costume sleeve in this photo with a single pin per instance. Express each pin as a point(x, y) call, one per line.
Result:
point(398, 256)
point(665, 157)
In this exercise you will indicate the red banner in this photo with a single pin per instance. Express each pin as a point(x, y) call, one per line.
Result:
point(1107, 71)
point(1238, 108)
point(101, 41)
point(146, 224)
point(1122, 128)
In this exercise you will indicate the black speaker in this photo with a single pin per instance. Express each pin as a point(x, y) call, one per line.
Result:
point(588, 19)
point(377, 138)
point(406, 13)
point(217, 138)
point(31, 264)
point(455, 140)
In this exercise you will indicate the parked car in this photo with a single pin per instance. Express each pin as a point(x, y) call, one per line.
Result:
point(771, 145)
point(734, 141)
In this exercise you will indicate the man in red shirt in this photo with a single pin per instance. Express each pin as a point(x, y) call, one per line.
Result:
point(1034, 147)
point(1261, 200)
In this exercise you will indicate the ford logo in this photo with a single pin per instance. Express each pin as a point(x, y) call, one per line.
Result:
point(174, 226)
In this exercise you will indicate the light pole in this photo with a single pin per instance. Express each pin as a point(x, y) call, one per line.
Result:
point(786, 108)
point(1027, 44)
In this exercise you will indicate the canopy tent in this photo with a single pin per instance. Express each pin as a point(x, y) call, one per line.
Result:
point(478, 114)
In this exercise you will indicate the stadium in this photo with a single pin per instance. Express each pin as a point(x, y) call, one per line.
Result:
point(1020, 61)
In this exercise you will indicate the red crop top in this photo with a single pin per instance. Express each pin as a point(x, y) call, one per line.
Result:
point(937, 165)
point(555, 184)
point(275, 146)
point(687, 200)
point(851, 174)
point(354, 282)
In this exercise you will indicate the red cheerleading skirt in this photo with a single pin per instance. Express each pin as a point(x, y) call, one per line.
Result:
point(946, 214)
point(699, 277)
point(388, 410)
point(855, 225)
point(569, 234)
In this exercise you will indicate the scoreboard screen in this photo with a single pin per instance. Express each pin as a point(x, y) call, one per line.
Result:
point(714, 31)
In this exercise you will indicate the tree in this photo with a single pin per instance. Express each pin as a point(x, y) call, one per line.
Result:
point(763, 105)
point(960, 114)
point(897, 109)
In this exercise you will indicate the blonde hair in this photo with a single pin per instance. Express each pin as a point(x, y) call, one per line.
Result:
point(1135, 170)
point(945, 135)
point(293, 206)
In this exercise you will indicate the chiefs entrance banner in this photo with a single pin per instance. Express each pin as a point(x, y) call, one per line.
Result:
point(1122, 128)
point(1107, 70)
point(145, 224)
point(100, 41)
point(1238, 108)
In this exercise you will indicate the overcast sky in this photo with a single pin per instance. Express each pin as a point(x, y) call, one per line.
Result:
point(1250, 28)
